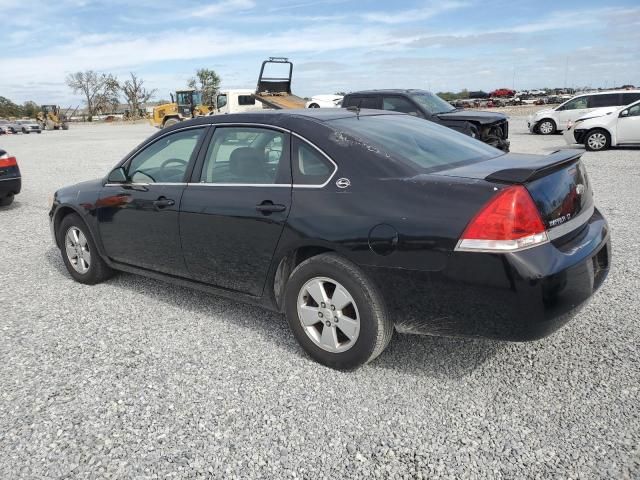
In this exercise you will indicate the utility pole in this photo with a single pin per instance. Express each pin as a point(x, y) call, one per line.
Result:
point(566, 71)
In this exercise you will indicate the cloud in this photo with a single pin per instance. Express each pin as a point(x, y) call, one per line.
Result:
point(413, 15)
point(227, 6)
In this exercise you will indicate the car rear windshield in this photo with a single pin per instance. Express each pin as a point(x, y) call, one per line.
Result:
point(426, 146)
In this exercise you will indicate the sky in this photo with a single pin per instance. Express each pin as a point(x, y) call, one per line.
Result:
point(335, 45)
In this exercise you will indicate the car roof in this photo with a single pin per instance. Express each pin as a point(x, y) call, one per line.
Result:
point(277, 117)
point(389, 90)
point(607, 92)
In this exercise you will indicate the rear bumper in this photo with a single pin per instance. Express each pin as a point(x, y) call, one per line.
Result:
point(10, 186)
point(518, 296)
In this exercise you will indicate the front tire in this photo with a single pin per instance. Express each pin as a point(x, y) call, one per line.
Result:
point(314, 105)
point(547, 127)
point(336, 312)
point(597, 140)
point(79, 252)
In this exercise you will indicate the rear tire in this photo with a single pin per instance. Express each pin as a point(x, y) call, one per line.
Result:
point(314, 105)
point(597, 140)
point(547, 127)
point(344, 293)
point(6, 201)
point(79, 252)
point(170, 122)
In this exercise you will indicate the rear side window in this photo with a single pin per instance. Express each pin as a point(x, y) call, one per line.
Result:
point(426, 146)
point(310, 167)
point(246, 100)
point(575, 104)
point(628, 98)
point(363, 102)
point(607, 100)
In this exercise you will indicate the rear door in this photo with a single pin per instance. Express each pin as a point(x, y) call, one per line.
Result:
point(572, 110)
point(234, 210)
point(629, 125)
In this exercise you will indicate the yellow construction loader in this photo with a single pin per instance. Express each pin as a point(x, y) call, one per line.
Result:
point(50, 117)
point(186, 104)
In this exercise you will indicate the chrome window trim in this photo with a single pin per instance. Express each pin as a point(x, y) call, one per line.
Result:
point(127, 184)
point(11, 178)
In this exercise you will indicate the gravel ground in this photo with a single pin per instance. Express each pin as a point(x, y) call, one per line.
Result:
point(135, 378)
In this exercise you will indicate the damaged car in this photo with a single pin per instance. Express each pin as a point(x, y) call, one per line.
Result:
point(489, 127)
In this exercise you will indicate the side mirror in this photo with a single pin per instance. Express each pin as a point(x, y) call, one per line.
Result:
point(117, 176)
point(624, 113)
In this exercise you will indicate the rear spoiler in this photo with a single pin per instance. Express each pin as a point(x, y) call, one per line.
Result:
point(540, 167)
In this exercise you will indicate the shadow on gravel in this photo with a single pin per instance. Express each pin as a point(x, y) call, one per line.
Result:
point(421, 355)
point(14, 206)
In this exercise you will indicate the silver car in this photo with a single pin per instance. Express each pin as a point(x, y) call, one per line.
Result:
point(28, 126)
point(8, 127)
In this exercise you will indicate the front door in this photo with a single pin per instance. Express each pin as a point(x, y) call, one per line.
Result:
point(233, 213)
point(138, 219)
point(629, 126)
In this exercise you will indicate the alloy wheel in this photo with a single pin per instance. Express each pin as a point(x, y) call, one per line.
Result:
point(328, 314)
point(77, 249)
point(597, 141)
point(546, 128)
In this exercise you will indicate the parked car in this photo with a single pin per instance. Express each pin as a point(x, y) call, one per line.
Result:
point(489, 127)
point(352, 224)
point(503, 92)
point(324, 101)
point(10, 178)
point(28, 126)
point(7, 127)
point(604, 128)
point(552, 120)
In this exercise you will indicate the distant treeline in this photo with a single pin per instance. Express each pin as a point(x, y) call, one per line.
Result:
point(9, 109)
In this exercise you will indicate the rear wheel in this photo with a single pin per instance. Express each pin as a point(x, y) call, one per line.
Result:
point(547, 127)
point(6, 201)
point(170, 122)
point(336, 313)
point(79, 252)
point(314, 105)
point(597, 140)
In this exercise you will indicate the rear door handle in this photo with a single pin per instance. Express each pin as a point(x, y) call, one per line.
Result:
point(163, 202)
point(268, 207)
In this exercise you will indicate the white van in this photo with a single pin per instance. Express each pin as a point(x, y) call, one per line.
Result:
point(236, 101)
point(554, 120)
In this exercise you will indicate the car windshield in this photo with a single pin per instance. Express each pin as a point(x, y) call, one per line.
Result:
point(425, 145)
point(432, 103)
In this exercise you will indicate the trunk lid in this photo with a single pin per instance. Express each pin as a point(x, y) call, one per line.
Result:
point(558, 184)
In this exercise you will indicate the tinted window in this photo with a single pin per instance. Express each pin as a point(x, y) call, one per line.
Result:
point(222, 100)
point(310, 167)
point(432, 103)
point(628, 98)
point(425, 145)
point(575, 104)
point(608, 100)
point(634, 111)
point(246, 100)
point(247, 155)
point(362, 102)
point(400, 104)
point(166, 159)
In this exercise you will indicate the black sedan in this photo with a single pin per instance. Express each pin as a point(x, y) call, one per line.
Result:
point(353, 224)
point(10, 178)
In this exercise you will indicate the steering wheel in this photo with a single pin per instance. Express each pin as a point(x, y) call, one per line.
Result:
point(173, 160)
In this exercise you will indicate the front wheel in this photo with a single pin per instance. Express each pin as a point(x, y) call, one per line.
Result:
point(547, 127)
point(597, 140)
point(336, 312)
point(314, 105)
point(79, 252)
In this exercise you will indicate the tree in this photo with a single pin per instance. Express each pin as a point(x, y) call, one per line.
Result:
point(30, 109)
point(9, 109)
point(135, 94)
point(206, 81)
point(99, 89)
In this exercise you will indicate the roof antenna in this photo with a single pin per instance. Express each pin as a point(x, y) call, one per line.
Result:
point(355, 109)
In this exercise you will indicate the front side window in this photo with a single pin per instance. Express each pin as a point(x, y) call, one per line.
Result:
point(634, 111)
point(400, 104)
point(432, 103)
point(222, 100)
point(310, 167)
point(575, 104)
point(608, 100)
point(166, 159)
point(247, 155)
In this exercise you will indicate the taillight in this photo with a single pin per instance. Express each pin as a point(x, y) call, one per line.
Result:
point(7, 161)
point(509, 222)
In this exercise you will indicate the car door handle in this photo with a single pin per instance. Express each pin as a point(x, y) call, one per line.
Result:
point(268, 207)
point(163, 202)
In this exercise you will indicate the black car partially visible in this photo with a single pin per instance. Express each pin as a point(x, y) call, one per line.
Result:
point(10, 179)
point(490, 127)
